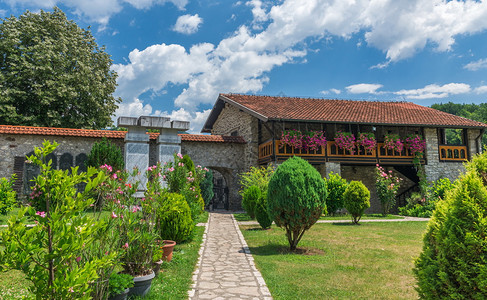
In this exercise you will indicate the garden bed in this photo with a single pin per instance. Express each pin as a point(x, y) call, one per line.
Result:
point(339, 261)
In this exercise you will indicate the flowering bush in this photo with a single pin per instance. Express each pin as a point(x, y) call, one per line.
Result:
point(183, 177)
point(416, 144)
point(50, 254)
point(293, 138)
point(387, 186)
point(393, 142)
point(367, 140)
point(345, 140)
point(134, 221)
point(313, 140)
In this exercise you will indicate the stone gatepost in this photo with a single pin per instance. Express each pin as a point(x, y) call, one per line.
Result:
point(136, 149)
point(168, 141)
point(137, 143)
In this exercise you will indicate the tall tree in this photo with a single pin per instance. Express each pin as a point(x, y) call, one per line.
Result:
point(52, 73)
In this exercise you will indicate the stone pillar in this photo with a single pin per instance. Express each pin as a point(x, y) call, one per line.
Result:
point(168, 141)
point(471, 143)
point(431, 154)
point(136, 147)
point(332, 167)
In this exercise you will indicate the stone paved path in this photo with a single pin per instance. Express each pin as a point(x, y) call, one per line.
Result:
point(226, 268)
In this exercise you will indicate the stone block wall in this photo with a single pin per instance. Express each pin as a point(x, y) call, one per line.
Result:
point(366, 174)
point(231, 120)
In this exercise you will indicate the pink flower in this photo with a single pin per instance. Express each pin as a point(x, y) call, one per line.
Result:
point(113, 215)
point(114, 176)
point(78, 259)
point(180, 155)
point(125, 246)
point(42, 214)
point(106, 253)
point(71, 290)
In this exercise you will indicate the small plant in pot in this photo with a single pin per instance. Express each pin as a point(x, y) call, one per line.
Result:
point(135, 225)
point(157, 257)
point(119, 285)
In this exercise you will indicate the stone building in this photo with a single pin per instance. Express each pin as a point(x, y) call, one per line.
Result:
point(246, 130)
point(260, 120)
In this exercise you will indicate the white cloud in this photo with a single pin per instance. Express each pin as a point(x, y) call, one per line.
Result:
point(364, 88)
point(481, 89)
point(435, 91)
point(242, 61)
point(334, 91)
point(98, 11)
point(476, 65)
point(188, 24)
point(133, 109)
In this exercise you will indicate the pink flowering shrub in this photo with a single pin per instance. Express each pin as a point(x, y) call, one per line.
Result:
point(416, 144)
point(133, 218)
point(184, 178)
point(393, 142)
point(367, 140)
point(50, 254)
point(387, 186)
point(293, 138)
point(313, 140)
point(345, 140)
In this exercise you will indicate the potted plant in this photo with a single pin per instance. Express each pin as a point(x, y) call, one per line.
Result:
point(345, 140)
point(367, 140)
point(313, 140)
point(157, 258)
point(393, 142)
point(135, 225)
point(416, 144)
point(119, 286)
point(293, 138)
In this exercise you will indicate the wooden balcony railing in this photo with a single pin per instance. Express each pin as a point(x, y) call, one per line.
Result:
point(333, 153)
point(453, 153)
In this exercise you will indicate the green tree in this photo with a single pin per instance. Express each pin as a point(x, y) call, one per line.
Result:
point(52, 73)
point(356, 200)
point(296, 198)
point(104, 152)
point(336, 186)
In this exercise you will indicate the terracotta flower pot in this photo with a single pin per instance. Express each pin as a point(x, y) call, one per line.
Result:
point(167, 250)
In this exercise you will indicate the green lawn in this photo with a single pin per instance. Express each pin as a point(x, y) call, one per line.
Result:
point(340, 261)
point(242, 217)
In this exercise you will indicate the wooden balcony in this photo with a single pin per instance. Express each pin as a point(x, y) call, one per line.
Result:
point(452, 153)
point(269, 152)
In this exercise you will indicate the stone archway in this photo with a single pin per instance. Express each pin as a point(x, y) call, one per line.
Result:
point(224, 157)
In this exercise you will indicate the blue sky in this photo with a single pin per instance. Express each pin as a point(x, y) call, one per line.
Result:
point(173, 57)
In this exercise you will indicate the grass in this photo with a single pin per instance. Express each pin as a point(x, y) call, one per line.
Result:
point(175, 278)
point(340, 261)
point(242, 217)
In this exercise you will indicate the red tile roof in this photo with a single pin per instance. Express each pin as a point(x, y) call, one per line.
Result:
point(346, 111)
point(51, 131)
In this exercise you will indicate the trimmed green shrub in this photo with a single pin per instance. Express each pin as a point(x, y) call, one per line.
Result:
point(261, 213)
point(250, 199)
point(256, 176)
point(206, 187)
point(356, 200)
point(174, 218)
point(336, 186)
point(296, 198)
point(104, 152)
point(7, 194)
point(453, 262)
point(441, 187)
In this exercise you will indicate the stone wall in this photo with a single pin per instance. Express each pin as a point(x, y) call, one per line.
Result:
point(436, 169)
point(366, 174)
point(232, 120)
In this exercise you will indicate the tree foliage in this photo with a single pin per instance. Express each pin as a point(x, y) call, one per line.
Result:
point(477, 112)
point(104, 152)
point(250, 200)
point(296, 198)
point(356, 200)
point(336, 186)
point(52, 73)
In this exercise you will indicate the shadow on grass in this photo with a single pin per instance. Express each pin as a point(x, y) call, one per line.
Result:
point(346, 224)
point(279, 249)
